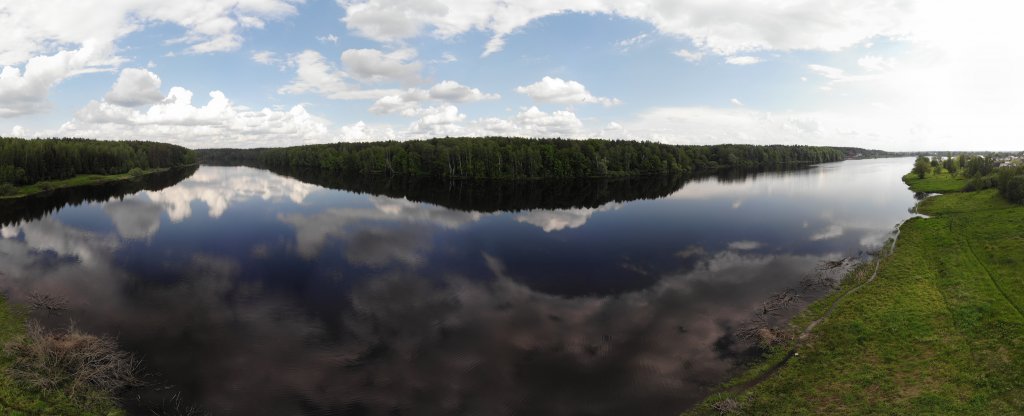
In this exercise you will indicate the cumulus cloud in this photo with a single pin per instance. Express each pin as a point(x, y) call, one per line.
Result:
point(25, 92)
point(438, 121)
point(408, 102)
point(736, 26)
point(35, 29)
point(218, 123)
point(372, 65)
point(454, 92)
point(210, 25)
point(557, 90)
point(314, 74)
point(135, 87)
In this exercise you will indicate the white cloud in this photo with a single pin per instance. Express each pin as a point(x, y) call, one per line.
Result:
point(447, 120)
point(736, 102)
point(709, 125)
point(454, 92)
point(54, 42)
point(408, 102)
point(438, 121)
point(557, 90)
point(532, 122)
point(210, 25)
point(448, 58)
point(135, 87)
point(827, 71)
point(265, 58)
point(689, 55)
point(557, 123)
point(626, 44)
point(25, 92)
point(363, 132)
point(876, 63)
point(372, 65)
point(722, 27)
point(314, 74)
point(218, 123)
point(329, 38)
point(742, 60)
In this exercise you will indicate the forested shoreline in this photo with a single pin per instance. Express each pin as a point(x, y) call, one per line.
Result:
point(520, 158)
point(26, 162)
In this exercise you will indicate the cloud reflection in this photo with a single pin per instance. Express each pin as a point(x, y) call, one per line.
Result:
point(556, 220)
point(219, 187)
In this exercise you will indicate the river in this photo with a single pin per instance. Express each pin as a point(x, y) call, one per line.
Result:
point(248, 292)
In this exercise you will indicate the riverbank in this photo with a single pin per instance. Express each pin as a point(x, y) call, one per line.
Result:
point(17, 398)
point(79, 180)
point(939, 331)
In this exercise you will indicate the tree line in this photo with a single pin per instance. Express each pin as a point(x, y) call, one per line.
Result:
point(29, 161)
point(1004, 172)
point(520, 158)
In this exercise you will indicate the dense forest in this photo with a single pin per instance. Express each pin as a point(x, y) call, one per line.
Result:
point(29, 161)
point(519, 158)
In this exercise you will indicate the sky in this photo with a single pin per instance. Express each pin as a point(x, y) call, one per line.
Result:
point(897, 75)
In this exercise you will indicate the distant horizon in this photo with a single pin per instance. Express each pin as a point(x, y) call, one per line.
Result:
point(541, 138)
point(277, 73)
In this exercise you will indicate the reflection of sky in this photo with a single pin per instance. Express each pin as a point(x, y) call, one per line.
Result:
point(289, 298)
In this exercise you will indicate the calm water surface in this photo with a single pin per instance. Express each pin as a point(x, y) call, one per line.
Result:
point(251, 293)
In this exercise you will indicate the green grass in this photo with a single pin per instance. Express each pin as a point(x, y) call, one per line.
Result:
point(940, 331)
point(80, 180)
point(932, 183)
point(18, 399)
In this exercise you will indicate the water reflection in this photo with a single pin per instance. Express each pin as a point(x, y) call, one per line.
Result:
point(290, 298)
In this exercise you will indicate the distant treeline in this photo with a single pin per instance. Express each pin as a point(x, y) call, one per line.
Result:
point(519, 158)
point(29, 161)
point(14, 211)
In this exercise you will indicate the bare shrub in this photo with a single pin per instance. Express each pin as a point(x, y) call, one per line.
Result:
point(50, 303)
point(176, 406)
point(727, 407)
point(71, 361)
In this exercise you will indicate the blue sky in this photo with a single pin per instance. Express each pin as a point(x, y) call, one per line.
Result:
point(895, 75)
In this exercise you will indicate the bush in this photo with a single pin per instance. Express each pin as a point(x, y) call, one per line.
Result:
point(980, 182)
point(7, 189)
point(1012, 188)
point(72, 362)
point(136, 172)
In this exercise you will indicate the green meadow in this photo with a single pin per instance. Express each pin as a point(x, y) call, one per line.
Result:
point(939, 331)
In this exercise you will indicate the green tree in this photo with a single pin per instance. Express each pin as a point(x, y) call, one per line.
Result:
point(921, 166)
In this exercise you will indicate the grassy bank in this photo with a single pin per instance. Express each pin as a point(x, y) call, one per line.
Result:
point(79, 180)
point(18, 398)
point(939, 331)
point(935, 183)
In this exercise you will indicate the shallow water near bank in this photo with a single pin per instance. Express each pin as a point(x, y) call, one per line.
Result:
point(252, 292)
